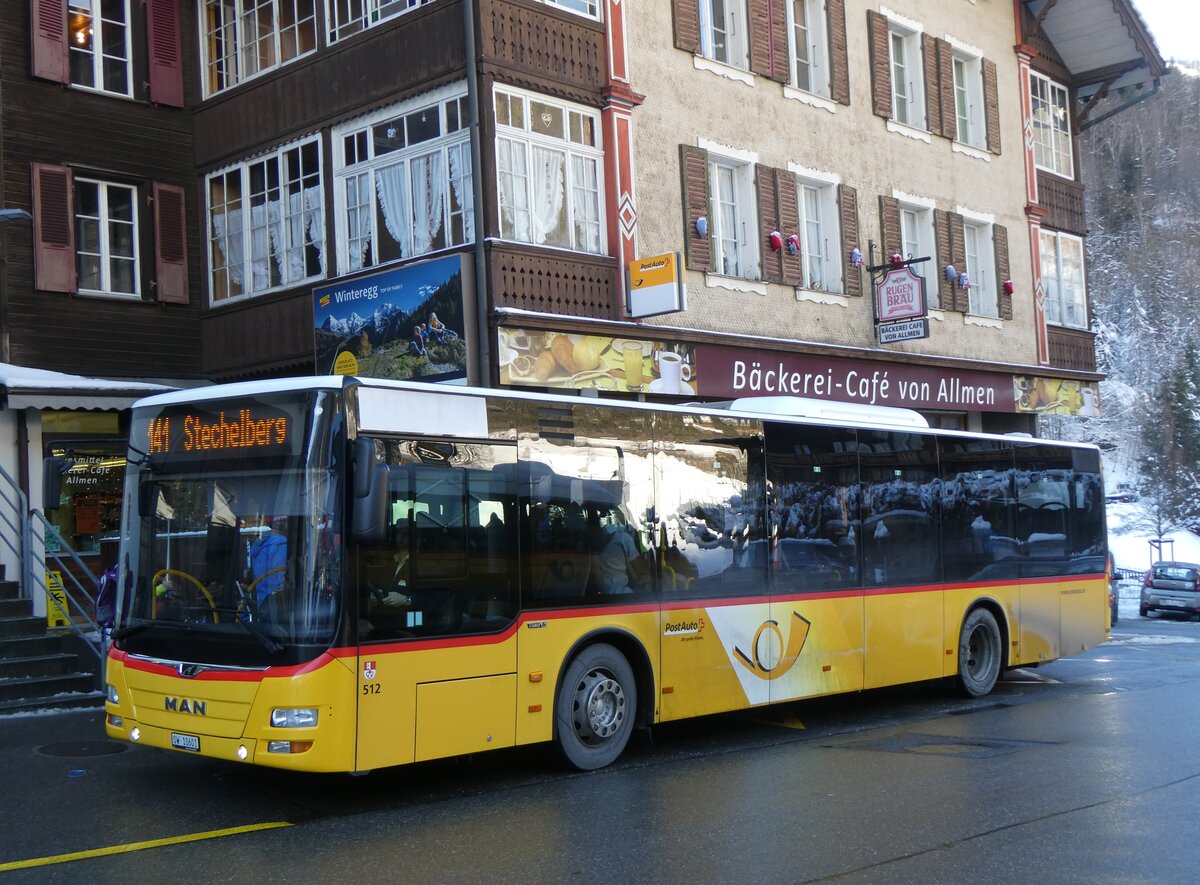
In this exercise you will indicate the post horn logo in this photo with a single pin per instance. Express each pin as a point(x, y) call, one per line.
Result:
point(795, 644)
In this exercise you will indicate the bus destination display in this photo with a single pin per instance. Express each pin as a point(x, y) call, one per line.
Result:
point(242, 429)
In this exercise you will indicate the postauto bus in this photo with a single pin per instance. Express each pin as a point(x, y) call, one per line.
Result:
point(333, 574)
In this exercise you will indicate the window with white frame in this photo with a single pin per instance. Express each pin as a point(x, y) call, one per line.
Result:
point(590, 8)
point(977, 240)
point(734, 230)
point(724, 25)
point(908, 78)
point(916, 241)
point(1050, 113)
point(819, 237)
point(1063, 279)
point(549, 161)
point(243, 38)
point(347, 17)
point(970, 128)
point(106, 237)
point(266, 223)
point(808, 46)
point(403, 182)
point(99, 45)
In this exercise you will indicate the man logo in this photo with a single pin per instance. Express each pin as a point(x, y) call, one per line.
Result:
point(183, 705)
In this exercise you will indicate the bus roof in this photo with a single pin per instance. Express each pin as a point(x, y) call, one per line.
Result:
point(797, 410)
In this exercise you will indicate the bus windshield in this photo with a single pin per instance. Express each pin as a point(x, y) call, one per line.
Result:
point(232, 531)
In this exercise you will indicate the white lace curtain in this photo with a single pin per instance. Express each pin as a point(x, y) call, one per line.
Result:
point(413, 223)
point(272, 237)
point(460, 180)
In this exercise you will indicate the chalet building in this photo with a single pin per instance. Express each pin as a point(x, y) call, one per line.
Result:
point(872, 204)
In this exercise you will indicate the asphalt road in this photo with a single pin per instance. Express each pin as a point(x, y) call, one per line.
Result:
point(1083, 771)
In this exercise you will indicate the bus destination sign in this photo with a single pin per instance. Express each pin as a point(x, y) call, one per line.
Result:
point(248, 429)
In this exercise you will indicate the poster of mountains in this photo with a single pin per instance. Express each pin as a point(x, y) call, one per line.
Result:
point(405, 323)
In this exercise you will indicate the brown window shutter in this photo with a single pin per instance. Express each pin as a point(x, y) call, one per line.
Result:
point(881, 69)
point(991, 106)
point(779, 42)
point(170, 244)
point(789, 220)
point(768, 220)
point(839, 61)
point(1000, 247)
point(958, 248)
point(762, 47)
point(53, 228)
point(48, 22)
point(848, 210)
point(889, 226)
point(166, 65)
point(945, 59)
point(693, 164)
point(941, 234)
point(933, 84)
point(687, 25)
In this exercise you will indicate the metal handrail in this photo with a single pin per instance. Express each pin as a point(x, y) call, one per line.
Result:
point(21, 519)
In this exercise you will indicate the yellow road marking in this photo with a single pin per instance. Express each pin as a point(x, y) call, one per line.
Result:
point(137, 846)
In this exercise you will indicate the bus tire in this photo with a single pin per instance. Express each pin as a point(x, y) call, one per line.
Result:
point(595, 707)
point(979, 653)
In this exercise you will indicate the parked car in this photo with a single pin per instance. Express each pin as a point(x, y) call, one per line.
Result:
point(1171, 587)
point(1122, 493)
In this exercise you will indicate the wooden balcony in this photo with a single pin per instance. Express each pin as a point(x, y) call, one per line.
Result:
point(1072, 349)
point(1063, 201)
point(543, 48)
point(568, 283)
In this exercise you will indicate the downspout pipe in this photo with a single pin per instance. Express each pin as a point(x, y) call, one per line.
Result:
point(482, 333)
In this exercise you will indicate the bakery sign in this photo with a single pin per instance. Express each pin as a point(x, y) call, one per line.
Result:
point(900, 295)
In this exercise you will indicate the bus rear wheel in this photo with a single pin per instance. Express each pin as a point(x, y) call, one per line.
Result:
point(594, 710)
point(979, 654)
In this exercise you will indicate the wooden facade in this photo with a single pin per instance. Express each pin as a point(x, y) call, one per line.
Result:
point(135, 142)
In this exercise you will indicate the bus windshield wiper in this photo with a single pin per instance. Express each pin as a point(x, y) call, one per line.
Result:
point(268, 642)
point(133, 630)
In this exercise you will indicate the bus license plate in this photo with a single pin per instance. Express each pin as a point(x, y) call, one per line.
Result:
point(185, 742)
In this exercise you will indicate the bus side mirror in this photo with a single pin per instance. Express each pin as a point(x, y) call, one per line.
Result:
point(369, 515)
point(52, 471)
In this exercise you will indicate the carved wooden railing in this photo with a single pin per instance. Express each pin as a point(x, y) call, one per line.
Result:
point(1072, 349)
point(569, 283)
point(539, 42)
point(1063, 201)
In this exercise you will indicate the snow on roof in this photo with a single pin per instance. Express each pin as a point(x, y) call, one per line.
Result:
point(25, 387)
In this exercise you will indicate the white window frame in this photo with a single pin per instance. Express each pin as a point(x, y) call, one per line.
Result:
point(970, 128)
point(733, 227)
point(104, 222)
point(1062, 308)
point(234, 63)
point(1050, 117)
point(907, 75)
point(724, 32)
point(362, 221)
point(819, 229)
point(588, 8)
point(85, 39)
point(917, 241)
point(581, 144)
point(287, 229)
point(359, 15)
point(981, 266)
point(813, 66)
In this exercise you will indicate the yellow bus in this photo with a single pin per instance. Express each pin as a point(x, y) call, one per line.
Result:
point(340, 574)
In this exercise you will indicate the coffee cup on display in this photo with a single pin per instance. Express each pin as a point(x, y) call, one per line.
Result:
point(672, 371)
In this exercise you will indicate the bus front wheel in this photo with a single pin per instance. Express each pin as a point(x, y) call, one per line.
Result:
point(594, 710)
point(979, 653)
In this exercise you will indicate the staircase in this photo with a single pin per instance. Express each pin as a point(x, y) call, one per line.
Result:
point(38, 668)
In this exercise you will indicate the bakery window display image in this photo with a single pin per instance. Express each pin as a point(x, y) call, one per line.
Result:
point(1056, 396)
point(577, 362)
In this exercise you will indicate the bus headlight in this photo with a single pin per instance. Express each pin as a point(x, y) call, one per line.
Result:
point(111, 691)
point(282, 717)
